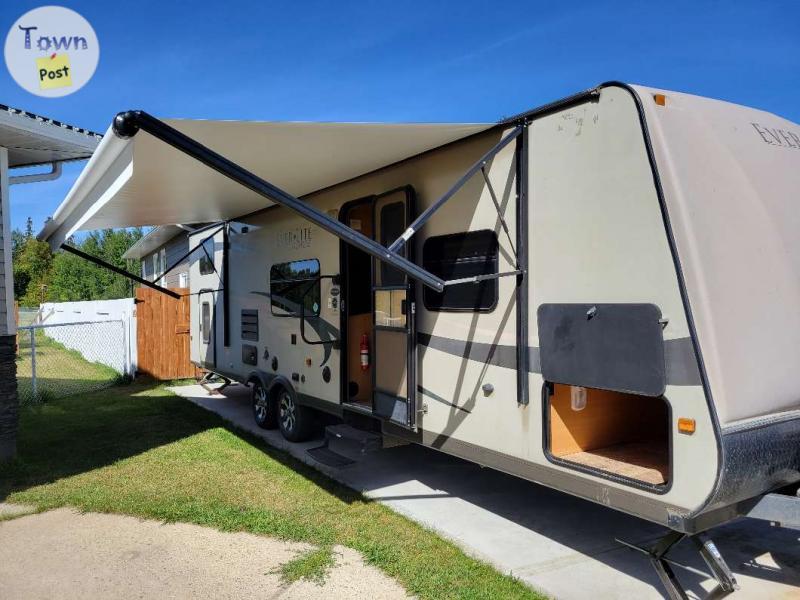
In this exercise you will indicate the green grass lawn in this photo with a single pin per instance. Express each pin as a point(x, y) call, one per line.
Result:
point(140, 450)
point(59, 371)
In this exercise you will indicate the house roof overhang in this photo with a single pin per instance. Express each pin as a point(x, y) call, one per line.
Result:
point(34, 140)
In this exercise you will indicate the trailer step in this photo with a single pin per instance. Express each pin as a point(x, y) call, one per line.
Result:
point(329, 458)
point(351, 438)
point(344, 445)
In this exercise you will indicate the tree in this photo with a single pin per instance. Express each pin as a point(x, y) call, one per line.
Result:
point(62, 277)
point(73, 278)
point(31, 260)
point(33, 268)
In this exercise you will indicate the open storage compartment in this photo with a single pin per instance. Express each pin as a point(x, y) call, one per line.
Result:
point(624, 435)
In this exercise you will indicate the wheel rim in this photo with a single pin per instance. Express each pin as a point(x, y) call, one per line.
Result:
point(287, 410)
point(261, 403)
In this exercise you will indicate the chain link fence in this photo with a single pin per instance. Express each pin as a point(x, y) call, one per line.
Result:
point(28, 316)
point(57, 360)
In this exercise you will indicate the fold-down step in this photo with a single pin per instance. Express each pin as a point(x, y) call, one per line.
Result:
point(344, 444)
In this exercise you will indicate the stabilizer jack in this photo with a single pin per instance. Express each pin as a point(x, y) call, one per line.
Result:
point(726, 582)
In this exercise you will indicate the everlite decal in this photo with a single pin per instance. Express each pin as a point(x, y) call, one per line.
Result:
point(777, 137)
point(299, 237)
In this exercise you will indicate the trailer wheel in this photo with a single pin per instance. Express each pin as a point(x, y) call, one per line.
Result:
point(265, 411)
point(295, 422)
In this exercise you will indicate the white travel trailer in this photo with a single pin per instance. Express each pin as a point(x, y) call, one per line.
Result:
point(599, 295)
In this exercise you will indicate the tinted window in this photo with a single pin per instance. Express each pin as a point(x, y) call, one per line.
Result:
point(206, 322)
point(393, 223)
point(454, 257)
point(292, 283)
point(207, 257)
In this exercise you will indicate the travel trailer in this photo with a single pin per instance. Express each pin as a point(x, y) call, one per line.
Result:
point(599, 295)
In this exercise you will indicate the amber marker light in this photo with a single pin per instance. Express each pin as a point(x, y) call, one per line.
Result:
point(660, 99)
point(686, 425)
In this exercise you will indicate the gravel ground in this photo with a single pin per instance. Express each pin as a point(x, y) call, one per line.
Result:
point(66, 554)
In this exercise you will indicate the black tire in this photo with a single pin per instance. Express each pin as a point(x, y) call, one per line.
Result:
point(295, 422)
point(265, 409)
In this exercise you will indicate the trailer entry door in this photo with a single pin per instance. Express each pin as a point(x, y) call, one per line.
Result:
point(394, 332)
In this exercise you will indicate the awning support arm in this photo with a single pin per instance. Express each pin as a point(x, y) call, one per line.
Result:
point(428, 212)
point(127, 124)
point(479, 278)
point(100, 262)
point(499, 211)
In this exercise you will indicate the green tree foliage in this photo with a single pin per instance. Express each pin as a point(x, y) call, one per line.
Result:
point(32, 269)
point(32, 262)
point(41, 275)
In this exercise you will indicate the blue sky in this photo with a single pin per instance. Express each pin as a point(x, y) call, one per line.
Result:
point(406, 61)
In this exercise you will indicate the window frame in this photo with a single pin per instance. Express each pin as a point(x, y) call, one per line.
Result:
point(206, 325)
point(162, 259)
point(205, 259)
point(426, 292)
point(315, 278)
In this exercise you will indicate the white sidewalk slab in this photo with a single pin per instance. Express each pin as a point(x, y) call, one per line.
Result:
point(558, 544)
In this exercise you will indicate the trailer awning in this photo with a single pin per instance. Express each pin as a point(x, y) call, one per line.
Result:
point(141, 181)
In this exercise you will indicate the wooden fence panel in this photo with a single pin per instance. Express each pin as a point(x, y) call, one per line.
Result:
point(162, 334)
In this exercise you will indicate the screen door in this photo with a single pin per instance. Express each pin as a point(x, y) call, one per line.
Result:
point(394, 343)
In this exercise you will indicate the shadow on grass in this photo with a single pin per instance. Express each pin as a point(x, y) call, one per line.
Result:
point(81, 433)
point(212, 476)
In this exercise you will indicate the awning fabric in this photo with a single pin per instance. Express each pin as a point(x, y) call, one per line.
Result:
point(34, 140)
point(142, 181)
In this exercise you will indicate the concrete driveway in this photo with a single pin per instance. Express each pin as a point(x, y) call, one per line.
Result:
point(66, 554)
point(558, 544)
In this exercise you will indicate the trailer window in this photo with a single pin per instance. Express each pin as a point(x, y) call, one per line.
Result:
point(292, 283)
point(462, 255)
point(206, 322)
point(207, 257)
